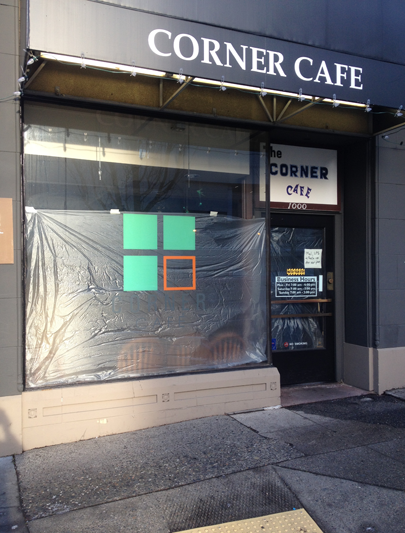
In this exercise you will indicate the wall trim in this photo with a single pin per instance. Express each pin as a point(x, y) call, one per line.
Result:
point(70, 414)
point(358, 366)
point(389, 369)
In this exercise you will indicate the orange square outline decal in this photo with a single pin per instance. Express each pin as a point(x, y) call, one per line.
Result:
point(165, 287)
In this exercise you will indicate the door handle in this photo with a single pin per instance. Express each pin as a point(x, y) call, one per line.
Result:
point(330, 281)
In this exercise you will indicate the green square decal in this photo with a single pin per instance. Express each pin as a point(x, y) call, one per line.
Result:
point(140, 232)
point(178, 233)
point(140, 273)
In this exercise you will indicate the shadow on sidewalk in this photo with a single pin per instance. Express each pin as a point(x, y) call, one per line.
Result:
point(8, 443)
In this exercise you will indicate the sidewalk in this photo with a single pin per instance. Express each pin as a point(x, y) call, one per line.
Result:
point(343, 461)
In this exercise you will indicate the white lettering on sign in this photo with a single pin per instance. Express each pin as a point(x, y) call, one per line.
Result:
point(210, 51)
point(152, 44)
point(313, 258)
point(322, 73)
point(258, 57)
point(240, 60)
point(297, 67)
point(194, 42)
point(355, 76)
point(275, 60)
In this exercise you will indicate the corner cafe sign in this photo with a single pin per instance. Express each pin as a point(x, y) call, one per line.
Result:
point(209, 52)
point(301, 178)
point(121, 34)
point(167, 44)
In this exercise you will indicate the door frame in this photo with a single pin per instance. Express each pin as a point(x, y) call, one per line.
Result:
point(293, 364)
point(338, 289)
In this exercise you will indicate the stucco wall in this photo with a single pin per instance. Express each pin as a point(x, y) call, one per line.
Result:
point(10, 274)
point(391, 240)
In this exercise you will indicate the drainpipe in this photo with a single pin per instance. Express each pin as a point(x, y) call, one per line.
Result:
point(376, 339)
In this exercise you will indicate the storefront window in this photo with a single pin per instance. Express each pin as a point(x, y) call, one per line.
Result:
point(143, 256)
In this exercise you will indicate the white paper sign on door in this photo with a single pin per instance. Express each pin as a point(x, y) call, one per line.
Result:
point(313, 258)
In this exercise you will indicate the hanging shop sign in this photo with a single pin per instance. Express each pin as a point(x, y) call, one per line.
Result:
point(301, 178)
point(131, 37)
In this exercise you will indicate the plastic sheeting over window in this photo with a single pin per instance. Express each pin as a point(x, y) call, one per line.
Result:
point(98, 310)
point(174, 283)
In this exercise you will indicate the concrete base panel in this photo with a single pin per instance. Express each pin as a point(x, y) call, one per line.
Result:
point(389, 369)
point(10, 425)
point(358, 366)
point(56, 416)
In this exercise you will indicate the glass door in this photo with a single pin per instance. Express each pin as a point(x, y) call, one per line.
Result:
point(302, 303)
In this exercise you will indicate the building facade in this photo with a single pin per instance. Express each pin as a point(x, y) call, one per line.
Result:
point(199, 204)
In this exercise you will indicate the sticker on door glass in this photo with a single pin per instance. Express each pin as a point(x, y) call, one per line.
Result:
point(295, 271)
point(313, 258)
point(296, 286)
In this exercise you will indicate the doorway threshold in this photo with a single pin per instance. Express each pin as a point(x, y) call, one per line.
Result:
point(317, 392)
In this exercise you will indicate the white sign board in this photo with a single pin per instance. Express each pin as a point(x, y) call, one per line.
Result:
point(301, 178)
point(296, 286)
point(313, 258)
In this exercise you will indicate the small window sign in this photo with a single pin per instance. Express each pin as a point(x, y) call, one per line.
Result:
point(6, 232)
point(296, 286)
point(313, 258)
